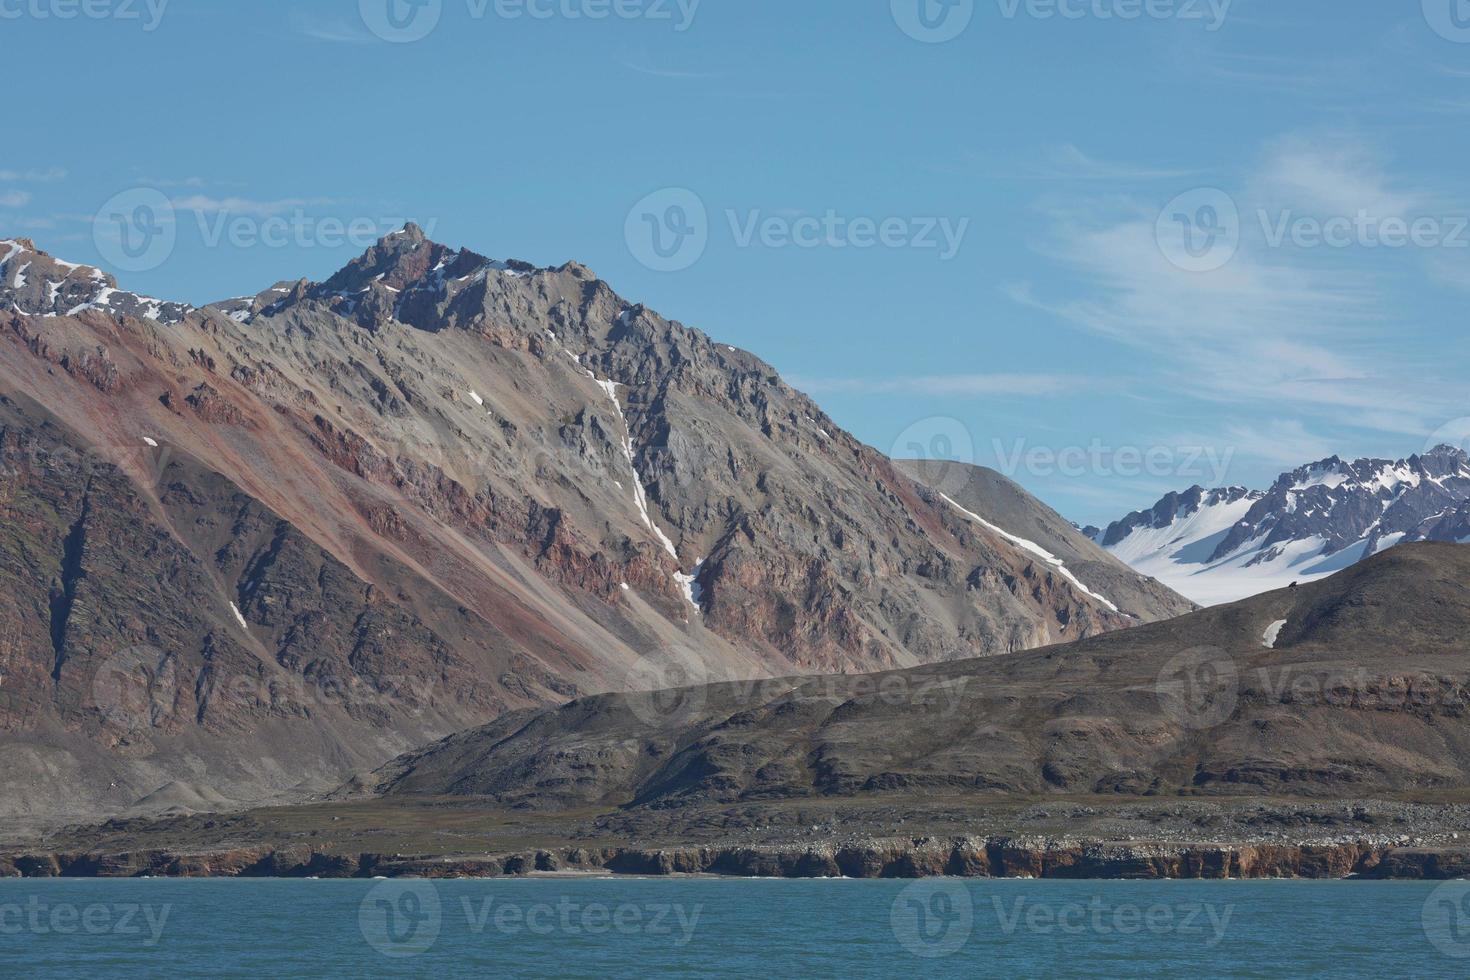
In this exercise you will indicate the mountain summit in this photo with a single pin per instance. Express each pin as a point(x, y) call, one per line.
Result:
point(251, 547)
point(1221, 545)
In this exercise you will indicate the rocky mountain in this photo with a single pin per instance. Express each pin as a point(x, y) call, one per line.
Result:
point(1220, 545)
point(1030, 524)
point(1344, 688)
point(249, 548)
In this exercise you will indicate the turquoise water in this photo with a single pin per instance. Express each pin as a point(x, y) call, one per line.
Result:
point(662, 927)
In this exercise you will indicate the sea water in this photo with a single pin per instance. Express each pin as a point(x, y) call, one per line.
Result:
point(636, 927)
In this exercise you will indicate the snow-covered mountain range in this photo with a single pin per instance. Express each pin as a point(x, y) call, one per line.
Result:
point(1216, 546)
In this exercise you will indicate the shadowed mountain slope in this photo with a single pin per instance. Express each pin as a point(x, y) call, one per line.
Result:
point(1363, 691)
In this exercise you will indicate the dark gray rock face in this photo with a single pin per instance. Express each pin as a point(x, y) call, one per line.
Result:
point(1367, 500)
point(1170, 509)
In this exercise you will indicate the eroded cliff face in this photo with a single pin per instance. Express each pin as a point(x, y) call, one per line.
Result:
point(451, 486)
point(965, 857)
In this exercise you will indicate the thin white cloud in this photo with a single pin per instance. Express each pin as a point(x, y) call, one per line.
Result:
point(14, 199)
point(1274, 327)
point(335, 30)
point(965, 385)
point(1336, 174)
point(1286, 443)
point(1068, 162)
point(47, 176)
point(657, 72)
point(1063, 163)
point(243, 205)
point(169, 182)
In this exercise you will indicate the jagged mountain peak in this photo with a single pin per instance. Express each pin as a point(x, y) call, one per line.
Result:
point(34, 282)
point(409, 278)
point(1314, 520)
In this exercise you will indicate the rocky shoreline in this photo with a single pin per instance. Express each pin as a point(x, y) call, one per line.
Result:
point(970, 857)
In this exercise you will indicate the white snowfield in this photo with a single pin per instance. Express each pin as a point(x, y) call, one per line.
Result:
point(1182, 554)
point(1034, 549)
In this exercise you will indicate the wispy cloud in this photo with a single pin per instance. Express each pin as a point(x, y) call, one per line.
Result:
point(14, 199)
point(169, 182)
point(658, 72)
point(244, 205)
point(1062, 163)
point(335, 30)
point(1286, 443)
point(1067, 162)
point(1275, 326)
point(1337, 174)
point(47, 176)
point(965, 385)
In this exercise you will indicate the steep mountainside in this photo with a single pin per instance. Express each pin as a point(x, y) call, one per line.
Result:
point(1000, 502)
point(1347, 687)
point(1221, 545)
point(252, 546)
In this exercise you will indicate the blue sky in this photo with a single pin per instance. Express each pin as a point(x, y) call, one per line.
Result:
point(1084, 248)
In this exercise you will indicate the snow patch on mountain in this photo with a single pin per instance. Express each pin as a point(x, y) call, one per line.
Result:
point(1035, 549)
point(1272, 634)
point(1218, 546)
